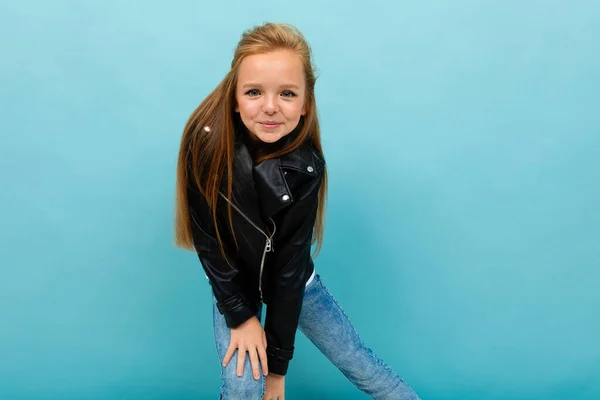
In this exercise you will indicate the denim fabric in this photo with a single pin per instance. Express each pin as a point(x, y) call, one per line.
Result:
point(326, 325)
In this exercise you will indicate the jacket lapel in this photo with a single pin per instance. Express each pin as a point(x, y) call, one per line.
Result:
point(269, 177)
point(261, 191)
point(244, 193)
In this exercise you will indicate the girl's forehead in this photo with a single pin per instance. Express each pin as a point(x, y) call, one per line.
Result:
point(273, 66)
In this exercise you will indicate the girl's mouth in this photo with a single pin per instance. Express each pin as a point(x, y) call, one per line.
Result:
point(270, 125)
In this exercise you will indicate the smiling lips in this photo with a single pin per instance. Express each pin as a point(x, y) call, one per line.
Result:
point(270, 124)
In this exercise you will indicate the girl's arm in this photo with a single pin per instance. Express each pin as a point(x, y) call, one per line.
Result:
point(292, 265)
point(222, 276)
point(247, 333)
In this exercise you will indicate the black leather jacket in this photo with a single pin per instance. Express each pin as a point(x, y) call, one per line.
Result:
point(274, 207)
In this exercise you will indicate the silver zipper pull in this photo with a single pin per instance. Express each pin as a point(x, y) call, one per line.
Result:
point(269, 245)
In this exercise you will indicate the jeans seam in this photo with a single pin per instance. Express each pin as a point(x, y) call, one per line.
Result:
point(217, 347)
point(349, 321)
point(343, 312)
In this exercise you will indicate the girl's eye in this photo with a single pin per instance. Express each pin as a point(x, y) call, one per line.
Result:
point(288, 93)
point(253, 92)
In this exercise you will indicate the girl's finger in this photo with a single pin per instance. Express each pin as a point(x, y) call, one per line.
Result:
point(241, 359)
point(254, 363)
point(263, 360)
point(228, 355)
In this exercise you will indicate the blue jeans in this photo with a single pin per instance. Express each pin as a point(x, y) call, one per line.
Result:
point(326, 325)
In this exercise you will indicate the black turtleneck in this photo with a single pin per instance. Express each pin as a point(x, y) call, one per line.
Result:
point(258, 148)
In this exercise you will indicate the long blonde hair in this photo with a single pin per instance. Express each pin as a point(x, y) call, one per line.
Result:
point(211, 153)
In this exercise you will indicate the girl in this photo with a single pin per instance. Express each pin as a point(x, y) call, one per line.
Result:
point(251, 188)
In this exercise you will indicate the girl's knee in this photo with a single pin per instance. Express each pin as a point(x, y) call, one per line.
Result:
point(243, 387)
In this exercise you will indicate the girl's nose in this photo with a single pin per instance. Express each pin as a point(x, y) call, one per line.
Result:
point(270, 105)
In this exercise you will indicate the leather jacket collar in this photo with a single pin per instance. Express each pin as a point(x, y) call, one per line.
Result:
point(267, 179)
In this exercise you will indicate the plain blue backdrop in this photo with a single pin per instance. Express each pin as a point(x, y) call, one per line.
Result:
point(462, 234)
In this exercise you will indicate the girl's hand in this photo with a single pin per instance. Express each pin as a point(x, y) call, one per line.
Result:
point(248, 337)
point(274, 388)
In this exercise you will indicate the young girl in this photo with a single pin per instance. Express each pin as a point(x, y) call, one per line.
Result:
point(251, 187)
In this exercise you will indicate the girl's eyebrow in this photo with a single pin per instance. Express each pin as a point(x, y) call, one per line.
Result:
point(286, 85)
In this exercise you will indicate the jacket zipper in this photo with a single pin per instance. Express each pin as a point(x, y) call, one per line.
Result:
point(268, 243)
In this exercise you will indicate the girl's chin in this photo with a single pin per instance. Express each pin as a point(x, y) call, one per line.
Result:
point(268, 137)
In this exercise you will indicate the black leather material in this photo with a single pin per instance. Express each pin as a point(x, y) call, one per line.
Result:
point(281, 191)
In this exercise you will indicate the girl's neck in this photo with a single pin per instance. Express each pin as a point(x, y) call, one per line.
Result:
point(258, 148)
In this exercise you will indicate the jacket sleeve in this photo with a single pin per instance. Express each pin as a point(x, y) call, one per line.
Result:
point(293, 265)
point(223, 277)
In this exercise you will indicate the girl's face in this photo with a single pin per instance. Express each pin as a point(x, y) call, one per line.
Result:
point(270, 94)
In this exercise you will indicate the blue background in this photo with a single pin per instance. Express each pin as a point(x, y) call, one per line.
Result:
point(462, 236)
